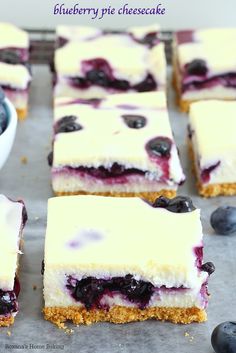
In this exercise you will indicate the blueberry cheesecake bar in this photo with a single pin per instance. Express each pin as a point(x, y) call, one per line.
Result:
point(92, 63)
point(12, 221)
point(86, 279)
point(203, 68)
point(15, 72)
point(214, 153)
point(119, 146)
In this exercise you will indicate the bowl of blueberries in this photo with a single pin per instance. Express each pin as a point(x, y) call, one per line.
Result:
point(8, 123)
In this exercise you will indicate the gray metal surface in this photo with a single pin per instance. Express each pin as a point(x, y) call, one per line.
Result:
point(31, 181)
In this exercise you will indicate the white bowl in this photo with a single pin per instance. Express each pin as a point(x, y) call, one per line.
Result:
point(8, 136)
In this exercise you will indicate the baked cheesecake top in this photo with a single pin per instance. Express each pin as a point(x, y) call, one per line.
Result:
point(106, 237)
point(13, 37)
point(10, 227)
point(219, 116)
point(215, 46)
point(125, 55)
point(123, 130)
point(86, 32)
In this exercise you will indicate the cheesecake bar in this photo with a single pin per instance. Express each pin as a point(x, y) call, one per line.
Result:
point(12, 221)
point(15, 71)
point(119, 146)
point(205, 65)
point(104, 261)
point(213, 152)
point(92, 63)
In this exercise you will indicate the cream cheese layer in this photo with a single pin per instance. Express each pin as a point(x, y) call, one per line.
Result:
point(13, 37)
point(10, 225)
point(106, 237)
point(218, 146)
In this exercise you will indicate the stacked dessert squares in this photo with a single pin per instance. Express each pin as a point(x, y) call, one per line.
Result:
point(15, 72)
point(92, 63)
point(204, 65)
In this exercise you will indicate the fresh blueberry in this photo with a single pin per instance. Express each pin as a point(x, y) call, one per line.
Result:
point(2, 95)
point(160, 147)
point(208, 267)
point(67, 124)
point(50, 158)
point(223, 220)
point(162, 202)
point(3, 118)
point(223, 338)
point(98, 77)
point(134, 121)
point(179, 204)
point(148, 84)
point(197, 67)
point(9, 57)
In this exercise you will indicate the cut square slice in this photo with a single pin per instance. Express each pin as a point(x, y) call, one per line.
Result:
point(12, 220)
point(205, 65)
point(213, 146)
point(15, 71)
point(119, 146)
point(123, 259)
point(92, 63)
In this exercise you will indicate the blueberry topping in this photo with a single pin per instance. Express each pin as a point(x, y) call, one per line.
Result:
point(98, 77)
point(2, 95)
point(223, 338)
point(9, 57)
point(150, 39)
point(121, 85)
point(179, 204)
point(208, 267)
point(67, 124)
point(160, 147)
point(79, 82)
point(223, 220)
point(197, 67)
point(3, 118)
point(134, 121)
point(24, 215)
point(50, 158)
point(148, 84)
point(90, 290)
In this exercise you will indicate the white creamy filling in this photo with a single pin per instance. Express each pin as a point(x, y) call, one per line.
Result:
point(74, 183)
point(10, 225)
point(216, 92)
point(219, 146)
point(13, 37)
point(15, 76)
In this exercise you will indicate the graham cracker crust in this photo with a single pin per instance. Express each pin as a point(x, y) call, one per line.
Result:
point(22, 113)
point(213, 190)
point(6, 321)
point(149, 196)
point(122, 314)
